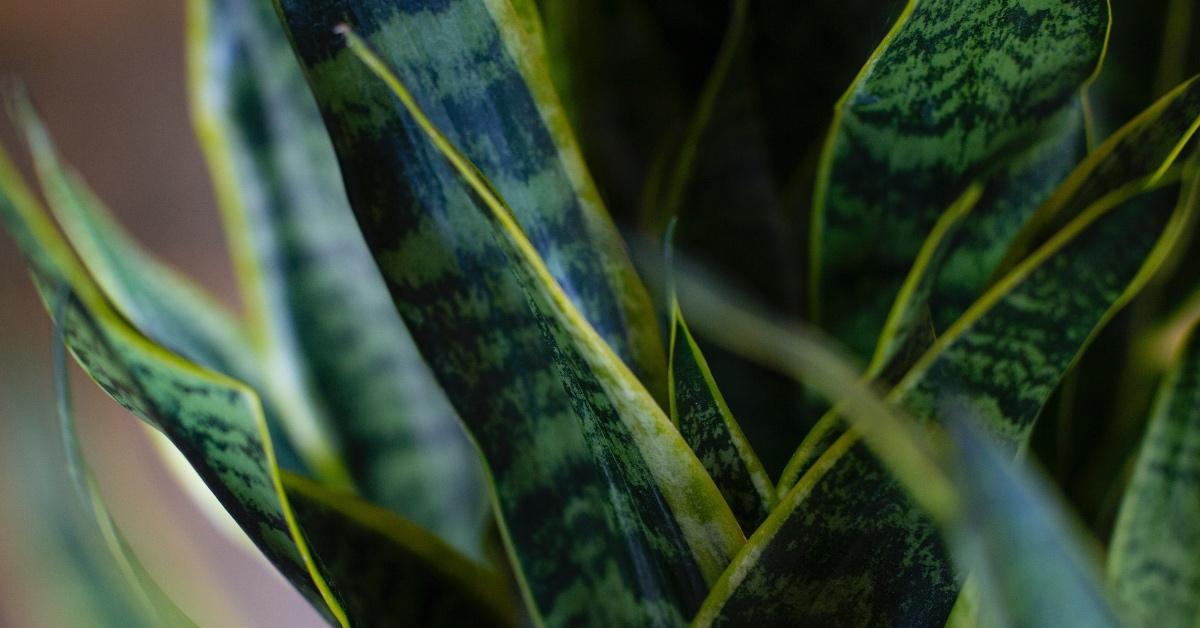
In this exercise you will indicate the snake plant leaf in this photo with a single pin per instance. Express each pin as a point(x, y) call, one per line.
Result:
point(303, 265)
point(156, 606)
point(1150, 559)
point(954, 86)
point(846, 541)
point(170, 309)
point(215, 422)
point(907, 332)
point(1145, 147)
point(388, 570)
point(488, 89)
point(705, 421)
point(1016, 540)
point(608, 515)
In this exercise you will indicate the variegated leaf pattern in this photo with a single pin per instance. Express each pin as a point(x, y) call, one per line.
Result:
point(846, 541)
point(954, 87)
point(608, 515)
point(1151, 557)
point(317, 300)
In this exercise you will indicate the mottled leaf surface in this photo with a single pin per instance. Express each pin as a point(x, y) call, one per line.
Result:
point(388, 571)
point(1018, 542)
point(609, 517)
point(1151, 560)
point(955, 86)
point(846, 541)
point(315, 292)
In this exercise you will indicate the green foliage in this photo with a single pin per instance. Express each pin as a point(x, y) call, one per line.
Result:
point(454, 400)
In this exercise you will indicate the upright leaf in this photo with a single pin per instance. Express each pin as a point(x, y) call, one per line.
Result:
point(608, 515)
point(704, 420)
point(317, 300)
point(955, 87)
point(846, 541)
point(1151, 560)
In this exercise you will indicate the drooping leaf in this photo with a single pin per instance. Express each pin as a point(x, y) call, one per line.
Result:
point(215, 422)
point(953, 88)
point(705, 421)
point(156, 605)
point(1016, 541)
point(1151, 557)
point(317, 300)
point(845, 540)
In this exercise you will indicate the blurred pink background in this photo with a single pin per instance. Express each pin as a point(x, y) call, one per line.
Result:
point(108, 77)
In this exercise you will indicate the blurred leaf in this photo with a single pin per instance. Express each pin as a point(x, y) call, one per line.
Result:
point(955, 87)
point(215, 422)
point(317, 298)
point(608, 515)
point(1016, 540)
point(157, 606)
point(706, 423)
point(1151, 561)
point(846, 541)
point(166, 306)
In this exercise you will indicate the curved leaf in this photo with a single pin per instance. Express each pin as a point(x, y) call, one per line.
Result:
point(318, 303)
point(215, 422)
point(954, 87)
point(608, 515)
point(1151, 557)
point(846, 541)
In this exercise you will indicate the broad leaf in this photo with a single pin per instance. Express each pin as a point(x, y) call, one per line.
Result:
point(320, 309)
point(1015, 539)
point(955, 87)
point(1151, 560)
point(846, 541)
point(608, 515)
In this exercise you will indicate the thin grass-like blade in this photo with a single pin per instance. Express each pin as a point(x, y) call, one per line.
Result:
point(319, 309)
point(846, 541)
point(956, 89)
point(609, 517)
point(1151, 560)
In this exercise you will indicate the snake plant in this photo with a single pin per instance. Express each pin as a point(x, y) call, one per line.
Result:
point(615, 313)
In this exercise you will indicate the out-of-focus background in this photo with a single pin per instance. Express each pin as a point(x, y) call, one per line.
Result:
point(108, 77)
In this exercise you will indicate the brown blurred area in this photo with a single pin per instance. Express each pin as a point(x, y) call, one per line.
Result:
point(108, 78)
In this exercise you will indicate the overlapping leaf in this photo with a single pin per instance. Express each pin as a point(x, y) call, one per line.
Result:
point(1151, 559)
point(954, 88)
point(215, 422)
point(846, 541)
point(609, 517)
point(318, 303)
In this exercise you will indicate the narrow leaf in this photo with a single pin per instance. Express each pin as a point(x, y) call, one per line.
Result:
point(846, 541)
point(317, 299)
point(706, 423)
point(955, 87)
point(1151, 559)
point(608, 515)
